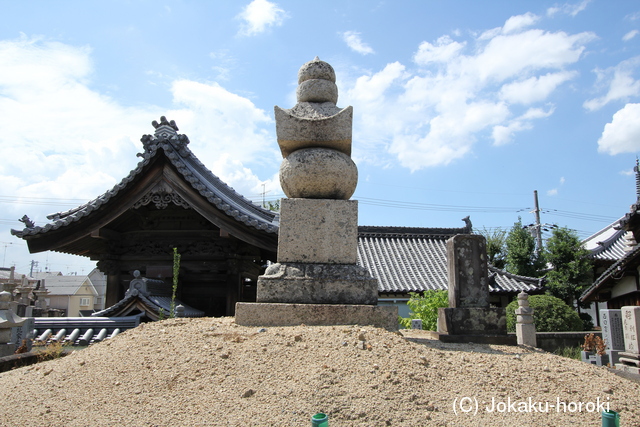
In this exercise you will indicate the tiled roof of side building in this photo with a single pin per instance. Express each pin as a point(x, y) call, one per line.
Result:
point(611, 243)
point(629, 257)
point(208, 185)
point(415, 260)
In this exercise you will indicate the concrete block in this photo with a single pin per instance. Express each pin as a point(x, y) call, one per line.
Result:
point(274, 314)
point(321, 231)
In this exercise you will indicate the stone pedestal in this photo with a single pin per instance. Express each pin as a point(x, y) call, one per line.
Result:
point(321, 231)
point(306, 283)
point(285, 314)
point(630, 357)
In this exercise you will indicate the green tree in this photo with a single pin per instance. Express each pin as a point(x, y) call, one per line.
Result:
point(425, 307)
point(521, 257)
point(550, 314)
point(496, 246)
point(571, 270)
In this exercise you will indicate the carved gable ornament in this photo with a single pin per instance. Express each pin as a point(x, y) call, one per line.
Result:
point(161, 196)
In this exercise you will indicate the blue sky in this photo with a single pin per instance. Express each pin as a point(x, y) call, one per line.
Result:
point(460, 107)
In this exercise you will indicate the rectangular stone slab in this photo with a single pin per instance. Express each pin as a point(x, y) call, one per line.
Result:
point(320, 231)
point(278, 314)
point(468, 271)
point(612, 333)
point(631, 328)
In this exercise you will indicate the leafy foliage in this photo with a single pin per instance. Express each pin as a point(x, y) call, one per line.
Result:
point(496, 246)
point(572, 270)
point(425, 307)
point(272, 205)
point(521, 255)
point(176, 273)
point(550, 314)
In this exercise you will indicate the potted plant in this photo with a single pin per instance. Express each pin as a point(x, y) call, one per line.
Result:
point(588, 349)
point(602, 358)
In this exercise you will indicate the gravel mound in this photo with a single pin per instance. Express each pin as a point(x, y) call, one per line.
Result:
point(212, 372)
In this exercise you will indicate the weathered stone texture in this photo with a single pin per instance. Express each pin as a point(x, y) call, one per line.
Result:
point(318, 173)
point(306, 283)
point(468, 271)
point(273, 314)
point(318, 231)
point(472, 321)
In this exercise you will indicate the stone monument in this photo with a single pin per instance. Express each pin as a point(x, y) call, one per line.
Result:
point(469, 317)
point(316, 279)
point(8, 321)
point(612, 333)
point(630, 358)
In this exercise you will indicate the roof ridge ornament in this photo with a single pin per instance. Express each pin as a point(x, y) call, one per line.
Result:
point(165, 129)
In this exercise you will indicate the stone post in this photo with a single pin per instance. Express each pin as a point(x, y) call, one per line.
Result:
point(469, 317)
point(525, 328)
point(612, 333)
point(8, 320)
point(630, 358)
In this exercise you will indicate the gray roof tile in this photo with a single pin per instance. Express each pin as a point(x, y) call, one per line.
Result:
point(407, 259)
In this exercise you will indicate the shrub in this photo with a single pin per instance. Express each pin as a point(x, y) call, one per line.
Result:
point(587, 321)
point(550, 314)
point(425, 307)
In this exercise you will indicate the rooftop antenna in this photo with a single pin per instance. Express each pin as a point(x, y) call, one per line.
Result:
point(4, 257)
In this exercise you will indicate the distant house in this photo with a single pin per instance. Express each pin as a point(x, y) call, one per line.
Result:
point(76, 295)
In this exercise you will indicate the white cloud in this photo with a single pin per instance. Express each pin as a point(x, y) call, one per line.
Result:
point(432, 112)
point(622, 135)
point(259, 15)
point(631, 34)
point(69, 141)
point(619, 81)
point(534, 89)
point(571, 9)
point(518, 22)
point(355, 43)
point(443, 51)
point(562, 180)
point(552, 192)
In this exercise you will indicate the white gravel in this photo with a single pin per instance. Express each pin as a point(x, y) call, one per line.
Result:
point(212, 372)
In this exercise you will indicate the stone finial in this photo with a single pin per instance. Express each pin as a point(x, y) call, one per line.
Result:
point(315, 139)
point(316, 82)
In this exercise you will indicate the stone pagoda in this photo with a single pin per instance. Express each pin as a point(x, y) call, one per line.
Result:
point(316, 279)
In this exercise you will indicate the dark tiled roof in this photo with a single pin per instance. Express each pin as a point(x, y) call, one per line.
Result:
point(415, 260)
point(81, 330)
point(611, 243)
point(174, 146)
point(630, 257)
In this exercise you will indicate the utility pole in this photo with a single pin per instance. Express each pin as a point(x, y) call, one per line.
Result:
point(538, 226)
point(33, 264)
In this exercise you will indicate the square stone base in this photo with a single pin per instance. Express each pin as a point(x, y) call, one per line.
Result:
point(472, 321)
point(317, 284)
point(318, 231)
point(626, 368)
point(280, 314)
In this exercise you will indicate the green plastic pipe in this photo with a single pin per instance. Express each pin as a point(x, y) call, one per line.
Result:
point(320, 420)
point(610, 419)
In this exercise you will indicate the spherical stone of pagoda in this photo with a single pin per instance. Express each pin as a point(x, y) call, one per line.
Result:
point(318, 173)
point(316, 69)
point(317, 90)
